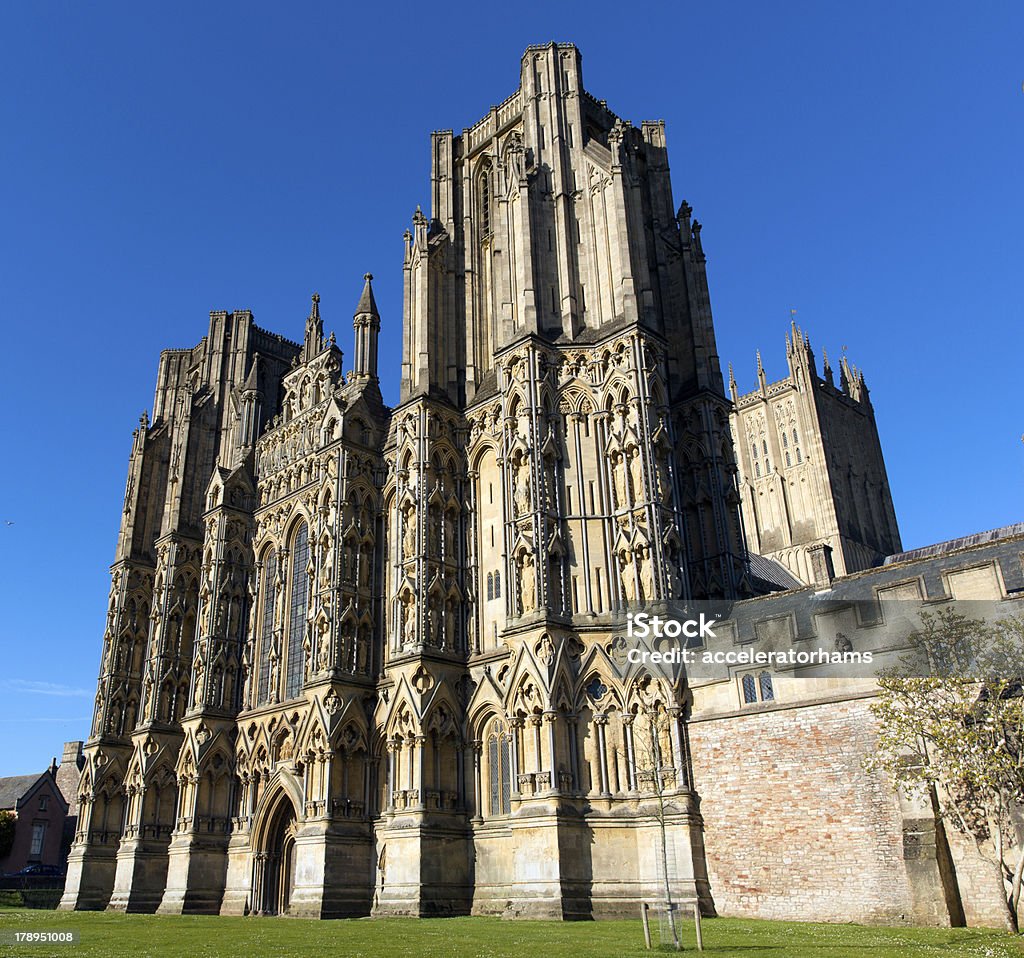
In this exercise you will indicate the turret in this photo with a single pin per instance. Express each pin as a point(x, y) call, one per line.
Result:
point(367, 329)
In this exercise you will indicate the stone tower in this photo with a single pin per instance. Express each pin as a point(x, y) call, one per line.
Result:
point(178, 594)
point(815, 493)
point(561, 449)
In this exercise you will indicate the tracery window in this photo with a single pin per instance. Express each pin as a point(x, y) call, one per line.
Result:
point(499, 767)
point(490, 586)
point(297, 612)
point(497, 585)
point(267, 624)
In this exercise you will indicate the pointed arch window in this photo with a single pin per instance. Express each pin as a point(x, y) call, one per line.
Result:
point(269, 598)
point(499, 766)
point(485, 203)
point(490, 586)
point(497, 585)
point(298, 606)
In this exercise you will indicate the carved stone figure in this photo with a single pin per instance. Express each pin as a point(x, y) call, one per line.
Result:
point(620, 480)
point(522, 486)
point(636, 467)
point(628, 575)
point(409, 537)
point(527, 584)
point(645, 559)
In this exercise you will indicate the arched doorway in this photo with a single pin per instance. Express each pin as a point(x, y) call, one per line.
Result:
point(274, 865)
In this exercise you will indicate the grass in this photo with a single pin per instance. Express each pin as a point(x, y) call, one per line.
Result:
point(103, 935)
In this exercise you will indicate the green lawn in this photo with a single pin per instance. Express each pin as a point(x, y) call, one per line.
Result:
point(112, 936)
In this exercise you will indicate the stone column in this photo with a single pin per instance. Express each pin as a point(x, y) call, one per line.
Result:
point(627, 725)
point(550, 718)
point(420, 746)
point(478, 797)
point(677, 750)
point(601, 721)
point(514, 726)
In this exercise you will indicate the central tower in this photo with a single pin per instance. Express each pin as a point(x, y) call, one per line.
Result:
point(561, 451)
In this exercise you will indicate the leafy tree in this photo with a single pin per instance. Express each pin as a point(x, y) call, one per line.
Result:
point(951, 719)
point(7, 826)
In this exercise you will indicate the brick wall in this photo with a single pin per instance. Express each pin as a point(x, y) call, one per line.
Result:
point(795, 828)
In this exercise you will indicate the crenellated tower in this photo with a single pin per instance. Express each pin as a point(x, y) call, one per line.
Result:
point(815, 492)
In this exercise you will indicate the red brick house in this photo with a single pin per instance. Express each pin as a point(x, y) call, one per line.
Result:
point(40, 811)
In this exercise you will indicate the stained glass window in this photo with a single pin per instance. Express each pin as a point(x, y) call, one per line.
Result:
point(267, 625)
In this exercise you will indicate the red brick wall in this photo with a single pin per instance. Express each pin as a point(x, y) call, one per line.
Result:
point(794, 826)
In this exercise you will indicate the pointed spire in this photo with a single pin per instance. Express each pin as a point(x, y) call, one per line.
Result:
point(844, 375)
point(732, 384)
point(827, 368)
point(314, 331)
point(761, 380)
point(367, 304)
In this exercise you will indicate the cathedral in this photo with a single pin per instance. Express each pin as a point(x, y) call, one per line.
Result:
point(362, 660)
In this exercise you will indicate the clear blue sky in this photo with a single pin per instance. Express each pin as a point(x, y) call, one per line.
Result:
point(859, 162)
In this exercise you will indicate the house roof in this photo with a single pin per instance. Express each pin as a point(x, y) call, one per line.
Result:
point(14, 788)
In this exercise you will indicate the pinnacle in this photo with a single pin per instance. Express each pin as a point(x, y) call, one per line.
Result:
point(367, 304)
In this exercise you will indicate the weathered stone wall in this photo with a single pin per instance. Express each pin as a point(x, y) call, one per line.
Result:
point(795, 828)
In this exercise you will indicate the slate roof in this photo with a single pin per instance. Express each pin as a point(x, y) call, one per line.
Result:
point(955, 545)
point(13, 788)
point(775, 574)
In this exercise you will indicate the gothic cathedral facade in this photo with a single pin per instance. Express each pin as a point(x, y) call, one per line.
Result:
point(362, 660)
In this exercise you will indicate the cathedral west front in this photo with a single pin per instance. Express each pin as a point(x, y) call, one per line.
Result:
point(363, 660)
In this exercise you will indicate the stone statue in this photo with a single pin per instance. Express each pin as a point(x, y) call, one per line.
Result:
point(449, 624)
point(522, 489)
point(435, 623)
point(527, 584)
point(637, 471)
point(645, 558)
point(324, 647)
point(621, 483)
point(409, 623)
point(409, 541)
point(628, 576)
point(434, 524)
point(664, 480)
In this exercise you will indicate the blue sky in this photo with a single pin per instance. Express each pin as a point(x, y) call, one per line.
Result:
point(860, 163)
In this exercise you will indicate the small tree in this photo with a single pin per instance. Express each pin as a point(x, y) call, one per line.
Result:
point(951, 719)
point(651, 734)
point(8, 822)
